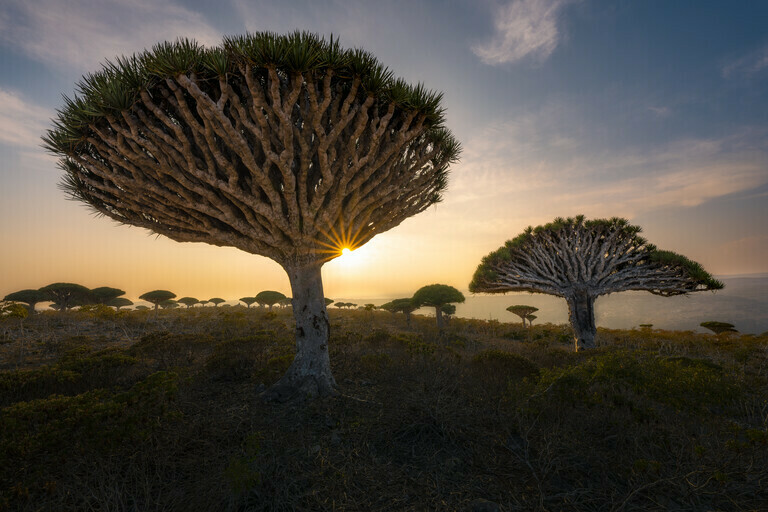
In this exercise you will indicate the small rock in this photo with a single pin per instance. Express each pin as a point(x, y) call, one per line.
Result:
point(335, 438)
point(365, 383)
point(261, 387)
point(315, 449)
point(349, 382)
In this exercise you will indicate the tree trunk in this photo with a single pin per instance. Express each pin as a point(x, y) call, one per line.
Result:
point(408, 320)
point(439, 315)
point(309, 375)
point(581, 312)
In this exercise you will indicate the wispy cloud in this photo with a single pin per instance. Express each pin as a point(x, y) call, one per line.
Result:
point(83, 33)
point(21, 123)
point(748, 65)
point(660, 111)
point(523, 28)
point(536, 163)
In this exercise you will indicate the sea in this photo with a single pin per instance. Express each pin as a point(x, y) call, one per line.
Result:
point(743, 302)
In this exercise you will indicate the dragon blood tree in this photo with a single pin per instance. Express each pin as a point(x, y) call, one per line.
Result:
point(522, 311)
point(580, 260)
point(286, 146)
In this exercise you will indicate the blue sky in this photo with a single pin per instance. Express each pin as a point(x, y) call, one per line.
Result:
point(651, 110)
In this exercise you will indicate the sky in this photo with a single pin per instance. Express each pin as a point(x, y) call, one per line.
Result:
point(651, 110)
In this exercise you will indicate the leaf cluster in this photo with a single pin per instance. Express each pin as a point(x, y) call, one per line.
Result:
point(573, 229)
point(400, 306)
point(522, 310)
point(157, 297)
point(718, 327)
point(693, 269)
point(436, 295)
point(304, 56)
point(269, 297)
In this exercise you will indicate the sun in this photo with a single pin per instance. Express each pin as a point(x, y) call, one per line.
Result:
point(351, 257)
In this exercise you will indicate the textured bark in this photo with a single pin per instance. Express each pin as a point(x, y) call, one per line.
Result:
point(277, 165)
point(581, 313)
point(606, 260)
point(439, 315)
point(309, 375)
point(277, 161)
point(581, 260)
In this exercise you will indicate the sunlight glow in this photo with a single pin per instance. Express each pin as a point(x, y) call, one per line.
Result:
point(341, 240)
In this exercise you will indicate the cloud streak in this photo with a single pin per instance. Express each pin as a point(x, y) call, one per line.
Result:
point(523, 29)
point(532, 163)
point(87, 31)
point(21, 123)
point(748, 65)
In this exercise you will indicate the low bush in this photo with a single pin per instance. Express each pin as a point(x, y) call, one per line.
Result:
point(39, 437)
point(685, 384)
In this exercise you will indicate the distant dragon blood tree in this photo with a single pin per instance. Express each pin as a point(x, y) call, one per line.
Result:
point(405, 306)
point(437, 296)
point(188, 301)
point(67, 295)
point(522, 311)
point(157, 297)
point(289, 147)
point(248, 300)
point(719, 328)
point(580, 260)
point(269, 298)
point(28, 297)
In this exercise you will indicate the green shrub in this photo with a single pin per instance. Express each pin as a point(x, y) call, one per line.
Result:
point(239, 358)
point(28, 384)
point(104, 368)
point(515, 335)
point(507, 362)
point(94, 421)
point(693, 385)
point(492, 370)
point(78, 370)
point(375, 362)
point(414, 344)
point(378, 338)
point(101, 312)
point(169, 350)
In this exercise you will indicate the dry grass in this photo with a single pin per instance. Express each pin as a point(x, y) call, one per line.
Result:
point(141, 412)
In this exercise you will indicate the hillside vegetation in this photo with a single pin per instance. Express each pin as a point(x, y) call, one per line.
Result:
point(132, 410)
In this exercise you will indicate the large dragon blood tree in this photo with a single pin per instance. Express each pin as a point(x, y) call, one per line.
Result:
point(286, 146)
point(580, 260)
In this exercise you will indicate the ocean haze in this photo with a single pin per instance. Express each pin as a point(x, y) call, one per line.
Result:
point(743, 302)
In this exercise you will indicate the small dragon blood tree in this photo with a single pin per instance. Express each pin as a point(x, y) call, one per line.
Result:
point(580, 260)
point(285, 146)
point(522, 311)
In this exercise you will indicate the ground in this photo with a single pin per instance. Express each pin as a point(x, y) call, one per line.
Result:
point(137, 411)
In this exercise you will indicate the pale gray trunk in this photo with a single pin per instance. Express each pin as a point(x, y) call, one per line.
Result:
point(581, 312)
point(439, 315)
point(309, 375)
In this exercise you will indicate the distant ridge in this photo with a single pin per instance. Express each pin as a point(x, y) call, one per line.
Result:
point(759, 275)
